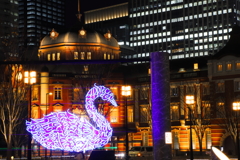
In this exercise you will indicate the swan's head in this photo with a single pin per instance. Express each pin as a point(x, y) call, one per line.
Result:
point(109, 96)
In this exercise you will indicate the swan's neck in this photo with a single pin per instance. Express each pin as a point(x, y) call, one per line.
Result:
point(91, 96)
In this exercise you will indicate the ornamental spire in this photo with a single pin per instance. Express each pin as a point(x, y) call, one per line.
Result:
point(79, 15)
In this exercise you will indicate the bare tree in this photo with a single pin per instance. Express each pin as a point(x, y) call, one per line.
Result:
point(200, 123)
point(12, 104)
point(199, 109)
point(228, 119)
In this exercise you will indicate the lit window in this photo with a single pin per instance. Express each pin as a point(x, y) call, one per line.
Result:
point(57, 93)
point(115, 92)
point(105, 56)
point(53, 56)
point(220, 87)
point(114, 115)
point(58, 56)
point(130, 114)
point(35, 93)
point(219, 67)
point(82, 55)
point(229, 66)
point(195, 67)
point(75, 55)
point(49, 57)
point(144, 113)
point(174, 113)
point(85, 68)
point(112, 56)
point(89, 55)
point(238, 65)
point(109, 56)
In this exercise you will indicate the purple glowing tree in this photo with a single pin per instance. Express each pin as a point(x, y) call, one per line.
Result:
point(66, 131)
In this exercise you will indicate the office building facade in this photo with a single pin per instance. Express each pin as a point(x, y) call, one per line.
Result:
point(114, 19)
point(37, 18)
point(183, 28)
point(8, 23)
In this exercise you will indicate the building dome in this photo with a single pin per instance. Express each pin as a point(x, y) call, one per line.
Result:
point(78, 44)
point(74, 37)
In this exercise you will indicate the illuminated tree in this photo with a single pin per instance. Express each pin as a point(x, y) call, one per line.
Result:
point(227, 118)
point(12, 106)
point(198, 108)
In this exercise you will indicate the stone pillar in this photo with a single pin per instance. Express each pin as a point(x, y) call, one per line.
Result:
point(44, 84)
point(160, 88)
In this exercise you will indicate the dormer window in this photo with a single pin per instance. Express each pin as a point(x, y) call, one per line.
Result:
point(238, 65)
point(229, 66)
point(219, 67)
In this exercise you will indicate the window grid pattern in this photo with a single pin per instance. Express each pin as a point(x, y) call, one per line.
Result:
point(183, 29)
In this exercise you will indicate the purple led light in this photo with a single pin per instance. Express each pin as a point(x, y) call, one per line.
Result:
point(66, 131)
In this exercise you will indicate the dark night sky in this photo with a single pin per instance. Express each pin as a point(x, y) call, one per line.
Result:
point(86, 5)
point(94, 4)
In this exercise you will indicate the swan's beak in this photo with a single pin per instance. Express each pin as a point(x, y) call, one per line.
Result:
point(114, 103)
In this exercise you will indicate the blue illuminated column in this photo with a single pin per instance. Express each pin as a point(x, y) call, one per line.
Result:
point(160, 88)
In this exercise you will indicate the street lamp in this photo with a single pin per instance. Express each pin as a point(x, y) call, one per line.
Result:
point(30, 79)
point(190, 101)
point(236, 107)
point(126, 91)
point(50, 93)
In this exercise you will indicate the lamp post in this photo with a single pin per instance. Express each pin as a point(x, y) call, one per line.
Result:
point(236, 107)
point(190, 101)
point(126, 91)
point(30, 79)
point(50, 93)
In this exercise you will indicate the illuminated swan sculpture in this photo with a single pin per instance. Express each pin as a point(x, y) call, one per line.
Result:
point(66, 131)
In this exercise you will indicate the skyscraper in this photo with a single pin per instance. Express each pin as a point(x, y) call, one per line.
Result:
point(38, 17)
point(9, 16)
point(183, 28)
point(8, 21)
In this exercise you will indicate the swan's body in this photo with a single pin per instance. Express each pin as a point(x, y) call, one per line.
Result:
point(66, 131)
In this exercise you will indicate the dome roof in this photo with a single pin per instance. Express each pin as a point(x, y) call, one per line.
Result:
point(74, 37)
